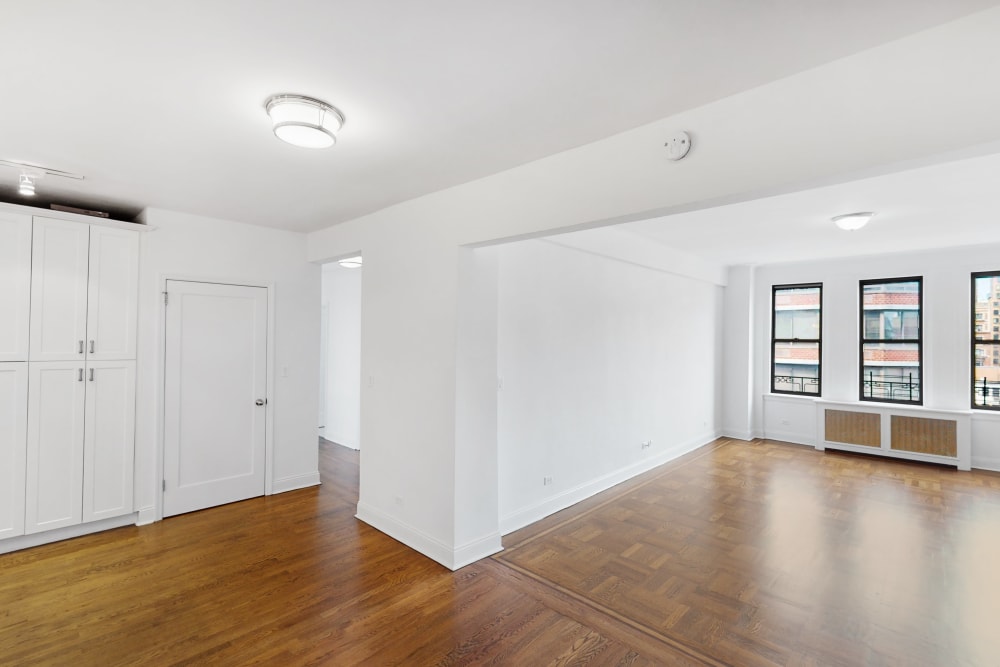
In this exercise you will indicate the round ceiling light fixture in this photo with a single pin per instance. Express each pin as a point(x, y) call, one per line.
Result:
point(852, 221)
point(304, 121)
point(351, 262)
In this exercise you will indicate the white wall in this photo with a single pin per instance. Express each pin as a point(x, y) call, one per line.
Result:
point(946, 336)
point(737, 357)
point(597, 356)
point(476, 407)
point(195, 247)
point(801, 131)
point(342, 299)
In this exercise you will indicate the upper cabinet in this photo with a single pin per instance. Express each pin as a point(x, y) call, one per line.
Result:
point(84, 292)
point(15, 276)
point(112, 294)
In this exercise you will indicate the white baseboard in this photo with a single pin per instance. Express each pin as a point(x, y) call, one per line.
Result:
point(145, 516)
point(295, 482)
point(986, 463)
point(792, 437)
point(470, 552)
point(37, 539)
point(528, 515)
point(433, 548)
point(408, 535)
point(737, 434)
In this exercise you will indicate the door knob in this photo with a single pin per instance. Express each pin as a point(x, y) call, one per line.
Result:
point(260, 401)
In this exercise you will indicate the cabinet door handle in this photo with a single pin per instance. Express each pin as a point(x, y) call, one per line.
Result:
point(91, 374)
point(79, 375)
point(91, 347)
point(81, 347)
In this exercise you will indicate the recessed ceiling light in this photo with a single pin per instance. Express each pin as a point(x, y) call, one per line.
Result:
point(351, 262)
point(304, 121)
point(852, 221)
point(26, 184)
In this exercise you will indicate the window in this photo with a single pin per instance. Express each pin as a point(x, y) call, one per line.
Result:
point(985, 346)
point(891, 324)
point(796, 349)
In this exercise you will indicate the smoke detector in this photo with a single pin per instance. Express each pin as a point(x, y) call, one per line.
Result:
point(678, 146)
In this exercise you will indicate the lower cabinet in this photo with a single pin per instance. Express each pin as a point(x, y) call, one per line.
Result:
point(109, 439)
point(13, 436)
point(80, 437)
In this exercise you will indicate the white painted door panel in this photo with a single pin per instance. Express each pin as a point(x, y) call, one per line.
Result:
point(13, 440)
point(109, 439)
point(59, 290)
point(15, 277)
point(54, 481)
point(215, 372)
point(112, 294)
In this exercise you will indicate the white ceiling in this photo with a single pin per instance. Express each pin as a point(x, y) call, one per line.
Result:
point(945, 205)
point(160, 104)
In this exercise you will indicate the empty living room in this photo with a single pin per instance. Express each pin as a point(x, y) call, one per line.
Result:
point(574, 332)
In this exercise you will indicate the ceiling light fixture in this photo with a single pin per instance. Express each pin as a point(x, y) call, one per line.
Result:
point(304, 121)
point(30, 173)
point(852, 221)
point(351, 262)
point(26, 184)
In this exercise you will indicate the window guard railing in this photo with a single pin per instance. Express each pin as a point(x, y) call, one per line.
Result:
point(986, 394)
point(796, 384)
point(891, 387)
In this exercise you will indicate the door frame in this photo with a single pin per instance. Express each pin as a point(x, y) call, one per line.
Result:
point(161, 365)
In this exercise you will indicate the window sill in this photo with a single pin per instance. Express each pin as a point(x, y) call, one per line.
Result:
point(792, 398)
point(877, 406)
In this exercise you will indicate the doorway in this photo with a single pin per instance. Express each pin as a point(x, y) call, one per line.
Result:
point(215, 402)
point(340, 355)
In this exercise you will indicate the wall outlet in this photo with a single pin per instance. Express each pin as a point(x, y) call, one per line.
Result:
point(546, 481)
point(785, 422)
point(646, 444)
point(399, 501)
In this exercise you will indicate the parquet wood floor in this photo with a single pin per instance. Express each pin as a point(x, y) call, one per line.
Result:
point(775, 554)
point(737, 554)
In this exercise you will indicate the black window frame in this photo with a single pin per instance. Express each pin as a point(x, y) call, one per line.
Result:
point(993, 341)
point(919, 340)
point(818, 341)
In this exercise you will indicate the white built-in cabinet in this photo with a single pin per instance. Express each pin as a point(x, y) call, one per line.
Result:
point(67, 372)
point(15, 285)
point(83, 292)
point(13, 437)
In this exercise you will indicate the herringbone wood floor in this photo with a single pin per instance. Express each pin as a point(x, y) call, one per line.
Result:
point(775, 554)
point(738, 554)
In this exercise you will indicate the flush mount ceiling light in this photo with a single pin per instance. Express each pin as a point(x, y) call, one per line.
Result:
point(852, 221)
point(304, 121)
point(351, 262)
point(26, 184)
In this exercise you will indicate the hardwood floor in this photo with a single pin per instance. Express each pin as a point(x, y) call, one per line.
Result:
point(737, 554)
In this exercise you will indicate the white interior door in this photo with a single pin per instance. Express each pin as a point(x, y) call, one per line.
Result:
point(13, 436)
point(54, 482)
point(109, 439)
point(214, 395)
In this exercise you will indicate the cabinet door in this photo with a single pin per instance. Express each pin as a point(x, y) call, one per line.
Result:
point(54, 481)
point(15, 276)
point(108, 451)
point(112, 294)
point(13, 434)
point(59, 257)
